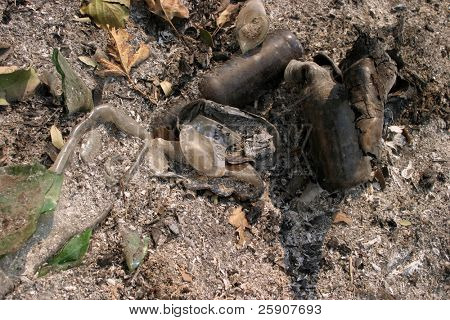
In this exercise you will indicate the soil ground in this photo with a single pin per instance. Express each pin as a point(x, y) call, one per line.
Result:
point(294, 249)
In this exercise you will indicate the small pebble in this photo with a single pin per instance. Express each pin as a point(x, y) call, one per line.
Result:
point(376, 267)
point(70, 288)
point(429, 28)
point(173, 227)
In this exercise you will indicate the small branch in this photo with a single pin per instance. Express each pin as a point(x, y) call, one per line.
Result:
point(350, 269)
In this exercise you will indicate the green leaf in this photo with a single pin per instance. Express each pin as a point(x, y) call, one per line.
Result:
point(16, 84)
point(70, 255)
point(26, 191)
point(112, 13)
point(77, 96)
point(206, 38)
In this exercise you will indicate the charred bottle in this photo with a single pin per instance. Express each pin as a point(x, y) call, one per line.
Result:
point(245, 78)
point(345, 110)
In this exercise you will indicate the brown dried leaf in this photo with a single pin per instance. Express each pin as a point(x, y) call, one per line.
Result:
point(123, 57)
point(226, 14)
point(238, 220)
point(141, 55)
point(111, 69)
point(186, 276)
point(342, 217)
point(168, 9)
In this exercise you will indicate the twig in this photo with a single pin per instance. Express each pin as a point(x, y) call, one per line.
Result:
point(350, 262)
point(215, 31)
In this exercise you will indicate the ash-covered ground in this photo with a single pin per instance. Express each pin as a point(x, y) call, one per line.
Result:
point(294, 249)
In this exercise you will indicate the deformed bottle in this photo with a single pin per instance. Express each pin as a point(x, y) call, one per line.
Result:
point(243, 79)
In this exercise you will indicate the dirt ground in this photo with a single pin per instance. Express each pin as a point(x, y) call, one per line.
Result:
point(295, 250)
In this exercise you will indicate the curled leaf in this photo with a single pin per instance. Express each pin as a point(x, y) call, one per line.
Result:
point(252, 25)
point(112, 13)
point(168, 9)
point(57, 139)
point(16, 84)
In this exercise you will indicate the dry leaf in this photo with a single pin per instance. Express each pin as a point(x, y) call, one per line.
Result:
point(166, 87)
point(186, 276)
point(88, 61)
point(168, 9)
point(108, 13)
point(226, 14)
point(342, 217)
point(123, 57)
point(57, 138)
point(405, 223)
point(242, 238)
point(223, 5)
point(238, 220)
